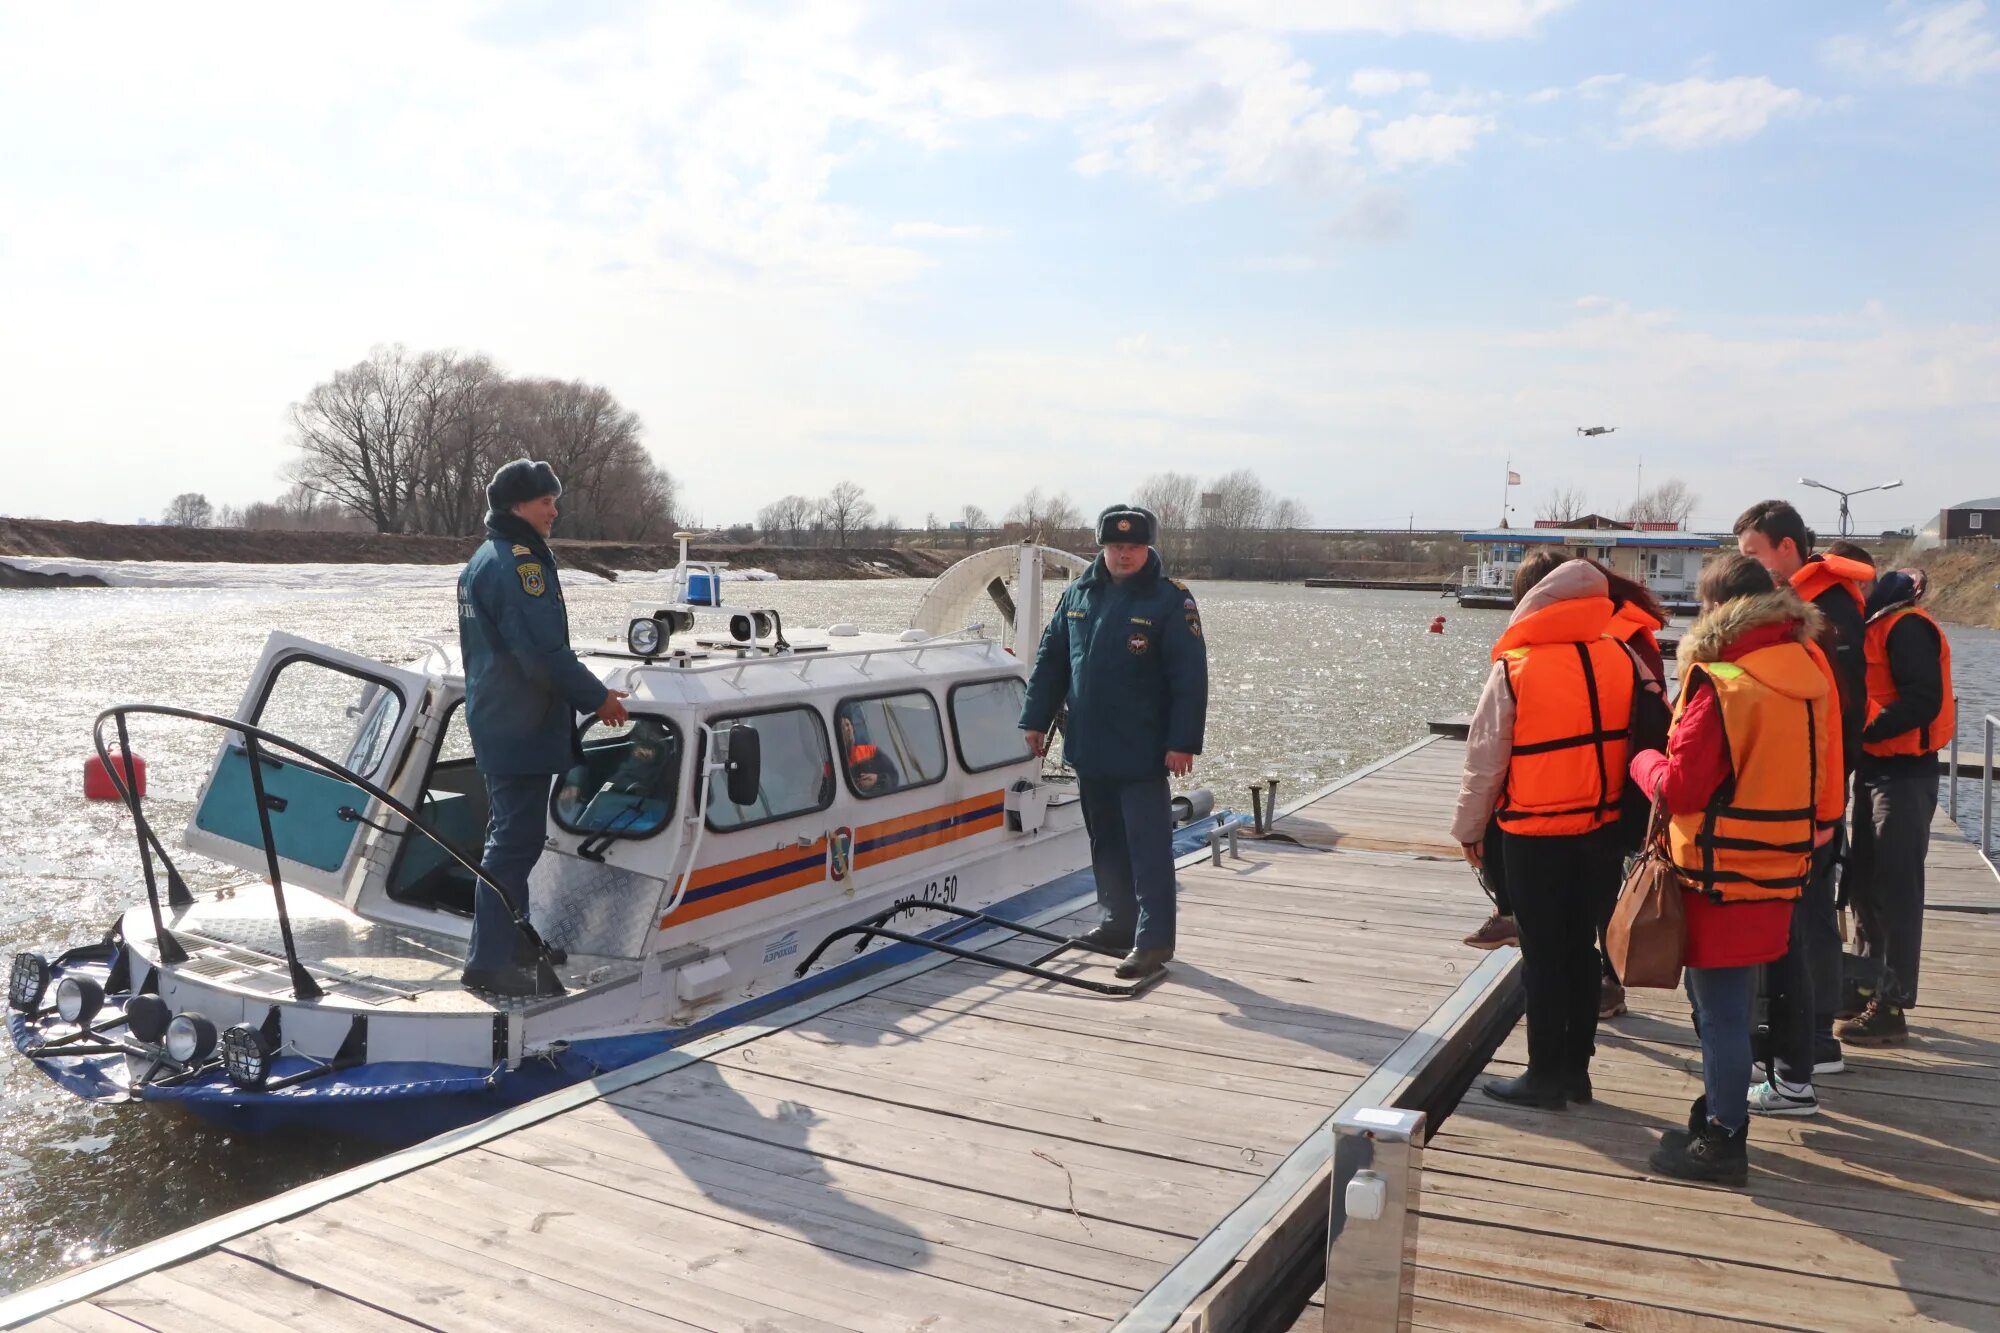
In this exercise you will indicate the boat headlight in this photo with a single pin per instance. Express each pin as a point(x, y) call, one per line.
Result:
point(246, 1056)
point(645, 636)
point(78, 999)
point(146, 1018)
point(190, 1038)
point(28, 982)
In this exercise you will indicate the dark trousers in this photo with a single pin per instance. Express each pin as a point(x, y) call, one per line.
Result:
point(516, 825)
point(1559, 888)
point(1891, 834)
point(1805, 983)
point(1132, 855)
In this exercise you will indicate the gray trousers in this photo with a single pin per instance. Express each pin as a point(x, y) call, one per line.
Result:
point(1891, 835)
point(1132, 856)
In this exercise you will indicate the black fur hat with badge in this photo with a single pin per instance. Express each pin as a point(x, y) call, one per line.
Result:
point(518, 482)
point(1126, 523)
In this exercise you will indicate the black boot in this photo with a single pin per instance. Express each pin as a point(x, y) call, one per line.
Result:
point(1106, 940)
point(1714, 1156)
point(1576, 1087)
point(1675, 1140)
point(1143, 963)
point(1529, 1089)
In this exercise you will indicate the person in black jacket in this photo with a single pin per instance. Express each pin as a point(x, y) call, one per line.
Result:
point(1895, 797)
point(1805, 986)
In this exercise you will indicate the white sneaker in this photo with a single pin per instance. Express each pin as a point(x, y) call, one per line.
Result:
point(1833, 1066)
point(1781, 1098)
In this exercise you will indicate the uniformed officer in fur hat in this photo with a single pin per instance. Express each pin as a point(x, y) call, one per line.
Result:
point(1125, 652)
point(523, 689)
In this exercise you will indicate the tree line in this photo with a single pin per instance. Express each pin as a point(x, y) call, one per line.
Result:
point(406, 441)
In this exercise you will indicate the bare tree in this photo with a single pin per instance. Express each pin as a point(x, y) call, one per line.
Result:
point(1174, 498)
point(189, 509)
point(845, 510)
point(976, 521)
point(1054, 519)
point(1669, 502)
point(1241, 503)
point(458, 423)
point(786, 520)
point(1285, 541)
point(353, 432)
point(1565, 504)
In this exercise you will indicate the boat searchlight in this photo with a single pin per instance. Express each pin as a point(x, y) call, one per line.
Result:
point(78, 999)
point(246, 1056)
point(190, 1038)
point(27, 982)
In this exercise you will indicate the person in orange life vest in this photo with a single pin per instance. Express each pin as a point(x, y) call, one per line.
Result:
point(1895, 796)
point(1545, 759)
point(1805, 986)
point(872, 771)
point(1740, 780)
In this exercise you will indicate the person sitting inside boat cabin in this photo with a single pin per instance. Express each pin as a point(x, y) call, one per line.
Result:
point(524, 686)
point(873, 773)
point(1124, 650)
point(1545, 759)
point(1755, 732)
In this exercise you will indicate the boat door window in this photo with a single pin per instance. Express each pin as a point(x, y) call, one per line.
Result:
point(795, 774)
point(453, 806)
point(986, 723)
point(626, 785)
point(333, 712)
point(890, 743)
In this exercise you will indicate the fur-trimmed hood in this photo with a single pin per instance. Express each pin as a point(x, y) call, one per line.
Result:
point(1710, 635)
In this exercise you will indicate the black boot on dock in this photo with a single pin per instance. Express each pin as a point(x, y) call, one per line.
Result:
point(1143, 963)
point(1528, 1089)
point(1576, 1087)
point(1106, 940)
point(1674, 1140)
point(1714, 1156)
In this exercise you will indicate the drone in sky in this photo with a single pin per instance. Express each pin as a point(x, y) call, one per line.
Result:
point(1595, 430)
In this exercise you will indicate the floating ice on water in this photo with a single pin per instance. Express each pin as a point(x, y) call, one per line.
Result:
point(322, 578)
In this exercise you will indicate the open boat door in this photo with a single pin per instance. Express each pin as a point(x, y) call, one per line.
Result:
point(351, 709)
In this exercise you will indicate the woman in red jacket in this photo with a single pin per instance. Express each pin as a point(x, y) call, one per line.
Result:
point(1740, 780)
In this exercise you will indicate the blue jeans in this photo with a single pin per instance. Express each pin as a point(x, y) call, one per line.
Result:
point(516, 824)
point(1721, 997)
point(1132, 855)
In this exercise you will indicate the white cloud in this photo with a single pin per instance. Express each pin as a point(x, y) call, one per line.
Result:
point(1945, 44)
point(1699, 113)
point(1385, 82)
point(944, 231)
point(1598, 85)
point(1378, 215)
point(1541, 95)
point(1426, 140)
point(1472, 19)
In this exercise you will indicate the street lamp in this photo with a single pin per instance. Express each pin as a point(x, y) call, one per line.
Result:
point(1846, 523)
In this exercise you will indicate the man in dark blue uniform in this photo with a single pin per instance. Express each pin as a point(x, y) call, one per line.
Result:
point(523, 689)
point(1125, 651)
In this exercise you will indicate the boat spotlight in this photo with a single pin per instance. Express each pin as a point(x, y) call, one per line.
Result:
point(645, 637)
point(746, 626)
point(146, 1018)
point(28, 982)
point(78, 999)
point(190, 1038)
point(246, 1056)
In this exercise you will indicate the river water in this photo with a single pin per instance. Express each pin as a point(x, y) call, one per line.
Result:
point(1306, 684)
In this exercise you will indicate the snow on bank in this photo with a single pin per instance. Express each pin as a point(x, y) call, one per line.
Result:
point(318, 578)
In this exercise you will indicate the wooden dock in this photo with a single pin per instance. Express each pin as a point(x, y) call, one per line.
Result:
point(946, 1147)
point(940, 1147)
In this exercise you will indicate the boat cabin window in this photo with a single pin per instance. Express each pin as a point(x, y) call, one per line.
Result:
point(795, 770)
point(331, 711)
point(890, 743)
point(453, 806)
point(626, 784)
point(986, 723)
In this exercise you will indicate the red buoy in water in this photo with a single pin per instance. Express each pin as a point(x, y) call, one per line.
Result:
point(97, 784)
point(1437, 626)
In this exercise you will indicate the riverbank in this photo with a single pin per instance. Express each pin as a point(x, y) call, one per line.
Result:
point(56, 538)
point(1964, 584)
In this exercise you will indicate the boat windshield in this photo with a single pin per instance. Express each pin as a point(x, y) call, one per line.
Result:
point(626, 784)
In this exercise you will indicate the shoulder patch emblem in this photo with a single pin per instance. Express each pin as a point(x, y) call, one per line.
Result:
point(1194, 625)
point(1138, 641)
point(1188, 603)
point(532, 582)
point(522, 550)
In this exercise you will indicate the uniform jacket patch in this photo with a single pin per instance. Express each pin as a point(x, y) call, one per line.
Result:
point(523, 550)
point(532, 581)
point(1138, 641)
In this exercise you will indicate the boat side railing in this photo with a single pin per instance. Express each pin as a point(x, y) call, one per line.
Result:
point(255, 739)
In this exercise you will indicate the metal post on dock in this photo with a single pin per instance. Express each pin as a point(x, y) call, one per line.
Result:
point(1378, 1167)
point(1951, 787)
point(1215, 846)
point(1987, 725)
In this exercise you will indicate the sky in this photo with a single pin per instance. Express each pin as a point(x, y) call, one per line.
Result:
point(1374, 250)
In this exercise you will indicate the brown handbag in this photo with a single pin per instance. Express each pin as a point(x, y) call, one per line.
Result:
point(1647, 937)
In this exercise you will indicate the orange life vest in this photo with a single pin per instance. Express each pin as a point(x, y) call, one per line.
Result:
point(1572, 685)
point(1754, 839)
point(1933, 735)
point(1821, 572)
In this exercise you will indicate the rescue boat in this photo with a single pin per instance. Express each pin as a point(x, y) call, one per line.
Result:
point(774, 796)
